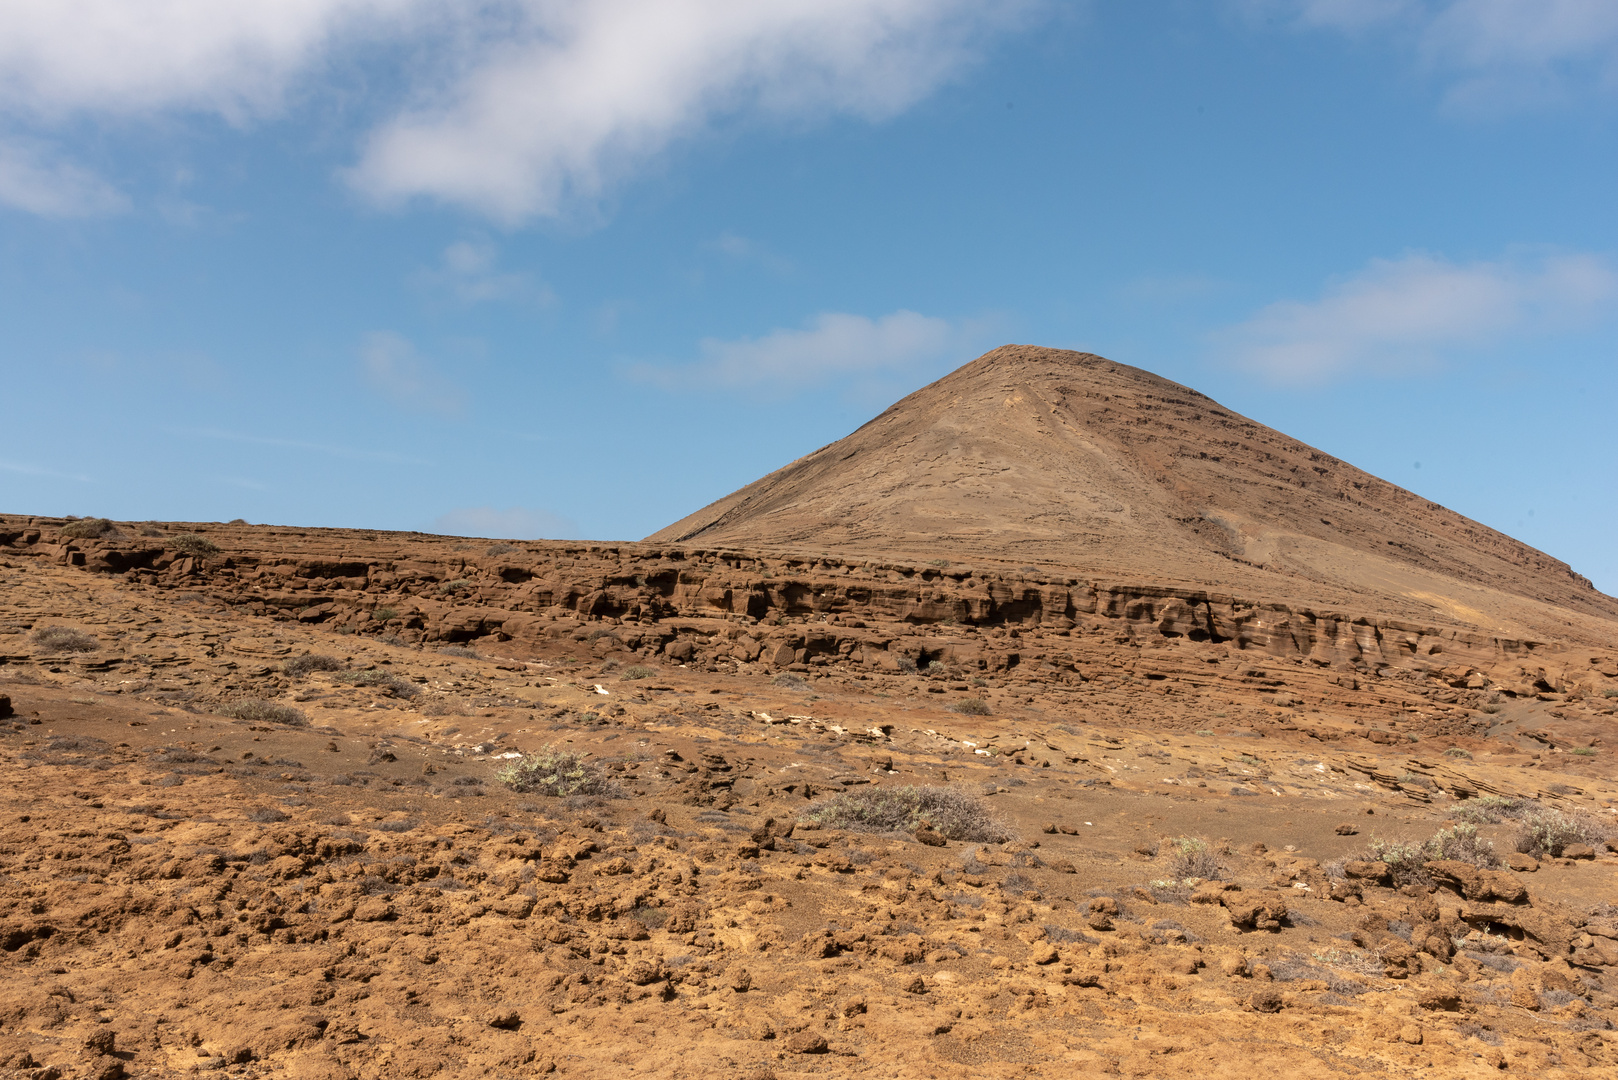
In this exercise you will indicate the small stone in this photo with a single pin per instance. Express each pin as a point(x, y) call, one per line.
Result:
point(372, 909)
point(741, 980)
point(806, 1042)
point(931, 837)
point(1044, 954)
point(102, 1042)
point(918, 985)
point(1266, 999)
point(1411, 1034)
point(506, 1021)
point(1578, 851)
point(1347, 829)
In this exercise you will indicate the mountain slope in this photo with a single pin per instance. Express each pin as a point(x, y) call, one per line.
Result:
point(1043, 455)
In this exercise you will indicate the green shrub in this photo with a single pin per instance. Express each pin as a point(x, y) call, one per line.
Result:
point(790, 680)
point(637, 671)
point(1544, 831)
point(499, 549)
point(557, 773)
point(385, 614)
point(385, 681)
point(65, 639)
point(300, 666)
point(89, 528)
point(971, 706)
point(954, 814)
point(454, 588)
point(192, 544)
point(257, 711)
point(1583, 751)
point(1609, 693)
point(1456, 751)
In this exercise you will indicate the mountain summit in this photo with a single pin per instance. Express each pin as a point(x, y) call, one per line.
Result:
point(1063, 458)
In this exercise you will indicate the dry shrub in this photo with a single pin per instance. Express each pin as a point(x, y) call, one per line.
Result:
point(192, 544)
point(300, 666)
point(385, 681)
point(954, 814)
point(89, 528)
point(1407, 861)
point(636, 671)
point(258, 711)
point(1194, 860)
point(1492, 809)
point(971, 706)
point(1550, 832)
point(462, 651)
point(65, 639)
point(557, 773)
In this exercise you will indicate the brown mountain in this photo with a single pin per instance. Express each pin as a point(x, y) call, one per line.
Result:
point(1067, 459)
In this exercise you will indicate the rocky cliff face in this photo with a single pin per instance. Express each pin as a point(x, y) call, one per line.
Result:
point(728, 609)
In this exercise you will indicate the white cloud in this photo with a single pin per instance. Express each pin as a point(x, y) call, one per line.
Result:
point(231, 57)
point(391, 364)
point(516, 523)
point(832, 346)
point(469, 271)
point(32, 182)
point(1412, 310)
point(580, 93)
point(1496, 52)
point(518, 108)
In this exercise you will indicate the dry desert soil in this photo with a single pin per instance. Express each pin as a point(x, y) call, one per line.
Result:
point(1059, 722)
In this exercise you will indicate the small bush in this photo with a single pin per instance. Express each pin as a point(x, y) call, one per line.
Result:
point(907, 665)
point(1491, 809)
point(499, 549)
point(462, 651)
point(1490, 709)
point(89, 528)
point(148, 529)
point(192, 544)
point(1407, 861)
point(971, 706)
point(385, 681)
point(266, 815)
point(385, 614)
point(65, 639)
point(954, 814)
point(637, 671)
point(1192, 859)
point(257, 711)
point(1583, 751)
point(1457, 752)
point(454, 588)
point(300, 666)
point(1550, 832)
point(1609, 693)
point(790, 681)
point(557, 773)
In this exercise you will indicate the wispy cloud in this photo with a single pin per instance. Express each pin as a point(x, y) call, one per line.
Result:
point(515, 523)
point(747, 250)
point(469, 272)
point(34, 181)
point(325, 449)
point(1417, 309)
point(1494, 53)
point(393, 367)
point(25, 469)
point(833, 346)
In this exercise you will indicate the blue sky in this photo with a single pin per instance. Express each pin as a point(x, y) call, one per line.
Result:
point(563, 268)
